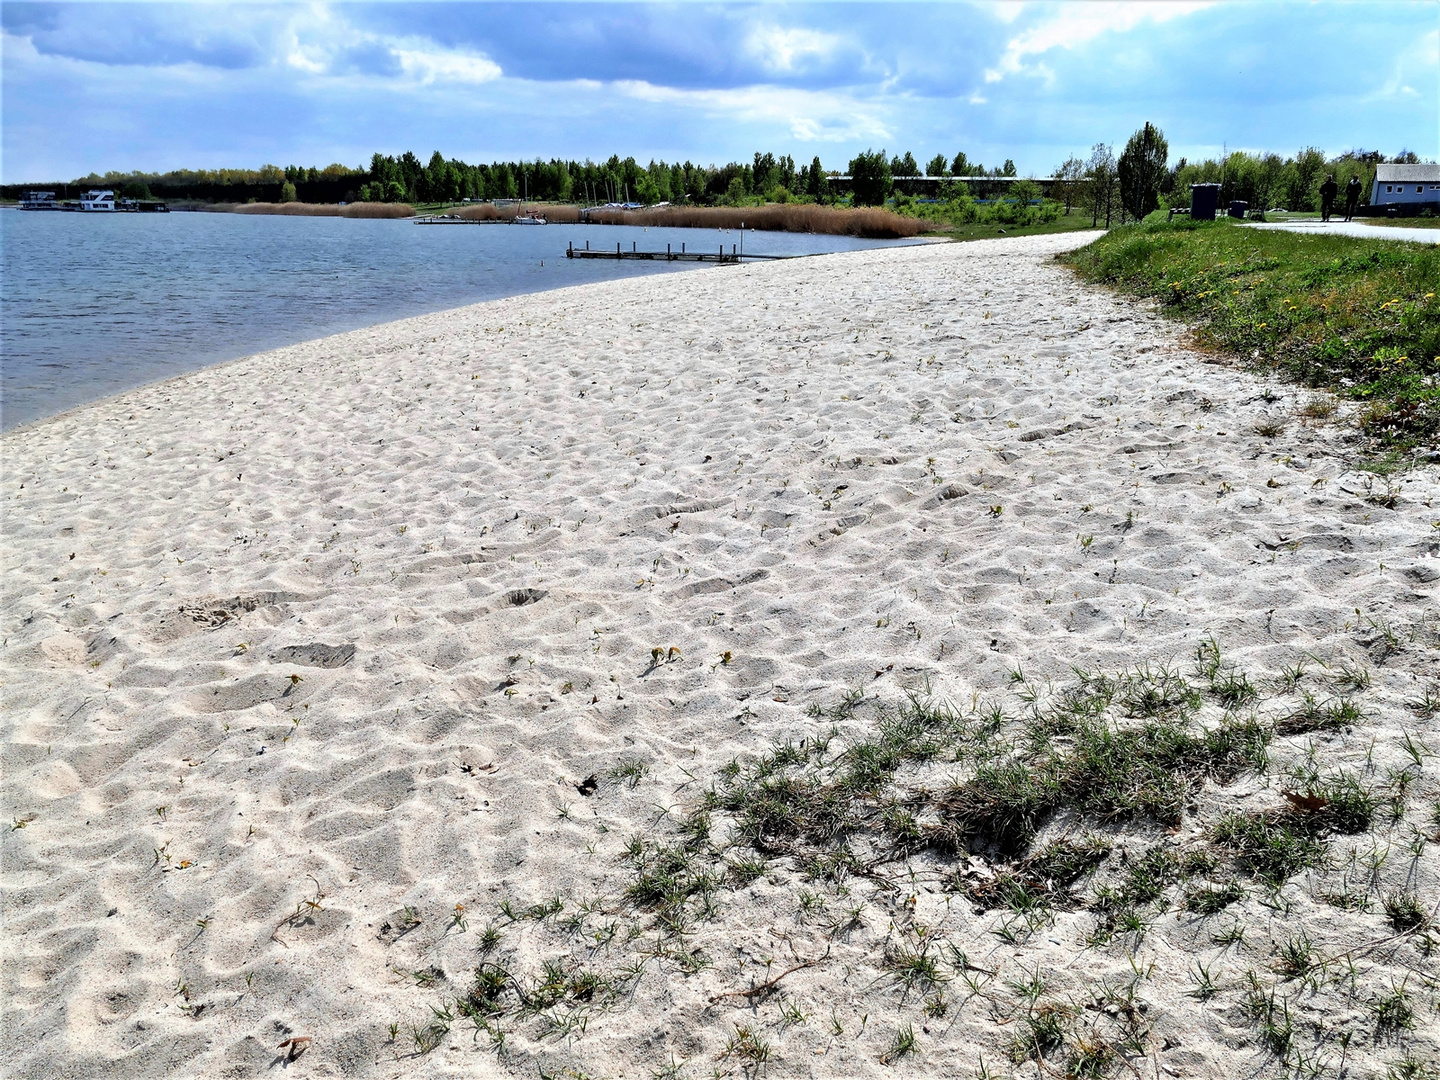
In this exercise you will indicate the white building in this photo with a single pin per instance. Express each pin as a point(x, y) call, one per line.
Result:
point(1400, 184)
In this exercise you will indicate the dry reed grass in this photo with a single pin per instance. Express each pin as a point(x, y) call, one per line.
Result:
point(870, 223)
point(350, 210)
point(556, 214)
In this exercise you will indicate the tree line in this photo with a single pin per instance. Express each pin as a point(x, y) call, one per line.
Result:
point(1136, 182)
point(1142, 179)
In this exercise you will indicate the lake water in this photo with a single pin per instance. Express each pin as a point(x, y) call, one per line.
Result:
point(96, 303)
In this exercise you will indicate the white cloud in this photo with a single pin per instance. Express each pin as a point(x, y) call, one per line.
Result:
point(1078, 23)
point(441, 66)
point(321, 42)
point(785, 49)
point(809, 115)
point(1422, 56)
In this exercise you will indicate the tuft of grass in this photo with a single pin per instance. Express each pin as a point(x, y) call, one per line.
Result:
point(1210, 900)
point(1270, 846)
point(1314, 716)
point(1394, 1012)
point(1405, 911)
point(630, 772)
point(901, 1045)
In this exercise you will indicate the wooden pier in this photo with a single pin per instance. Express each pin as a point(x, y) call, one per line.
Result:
point(668, 255)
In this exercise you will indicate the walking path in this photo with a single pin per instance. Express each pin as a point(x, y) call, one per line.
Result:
point(1355, 228)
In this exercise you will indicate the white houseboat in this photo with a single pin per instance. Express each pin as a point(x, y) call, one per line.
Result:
point(39, 200)
point(97, 200)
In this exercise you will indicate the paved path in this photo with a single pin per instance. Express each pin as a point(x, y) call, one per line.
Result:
point(1355, 228)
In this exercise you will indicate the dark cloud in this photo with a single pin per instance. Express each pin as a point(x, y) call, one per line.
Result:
point(142, 34)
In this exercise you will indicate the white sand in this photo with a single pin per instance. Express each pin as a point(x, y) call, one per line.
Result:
point(888, 470)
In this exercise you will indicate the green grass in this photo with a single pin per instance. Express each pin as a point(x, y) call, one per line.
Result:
point(987, 230)
point(1356, 316)
point(1406, 222)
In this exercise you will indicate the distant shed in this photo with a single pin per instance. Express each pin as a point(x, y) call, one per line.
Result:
point(1405, 185)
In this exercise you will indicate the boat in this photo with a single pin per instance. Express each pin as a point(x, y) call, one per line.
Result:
point(534, 217)
point(98, 201)
point(39, 200)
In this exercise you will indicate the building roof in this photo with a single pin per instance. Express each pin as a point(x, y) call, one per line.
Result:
point(1407, 174)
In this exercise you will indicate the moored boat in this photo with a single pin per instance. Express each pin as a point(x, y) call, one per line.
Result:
point(98, 201)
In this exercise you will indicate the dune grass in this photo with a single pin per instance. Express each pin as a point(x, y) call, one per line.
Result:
point(1358, 317)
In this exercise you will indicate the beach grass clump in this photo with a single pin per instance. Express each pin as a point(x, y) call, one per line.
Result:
point(1358, 317)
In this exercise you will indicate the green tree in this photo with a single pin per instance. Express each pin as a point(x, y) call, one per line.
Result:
point(1100, 182)
point(1009, 168)
point(1304, 181)
point(817, 185)
point(1141, 170)
point(871, 179)
point(287, 192)
point(963, 166)
point(1068, 175)
point(937, 166)
point(905, 166)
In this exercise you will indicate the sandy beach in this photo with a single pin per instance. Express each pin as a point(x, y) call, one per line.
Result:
point(321, 663)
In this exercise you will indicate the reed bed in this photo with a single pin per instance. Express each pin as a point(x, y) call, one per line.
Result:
point(555, 213)
point(299, 209)
point(871, 223)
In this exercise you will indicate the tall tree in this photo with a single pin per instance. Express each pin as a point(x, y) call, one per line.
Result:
point(817, 183)
point(1067, 181)
point(1142, 169)
point(1100, 182)
point(937, 166)
point(871, 179)
point(963, 166)
point(905, 166)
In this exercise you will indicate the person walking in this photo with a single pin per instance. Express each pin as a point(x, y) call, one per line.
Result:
point(1328, 191)
point(1352, 197)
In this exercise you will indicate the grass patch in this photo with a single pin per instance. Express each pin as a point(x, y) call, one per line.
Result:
point(1359, 317)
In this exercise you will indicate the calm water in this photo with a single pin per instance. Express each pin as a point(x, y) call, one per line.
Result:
point(96, 303)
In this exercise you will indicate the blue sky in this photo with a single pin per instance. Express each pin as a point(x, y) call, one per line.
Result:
point(158, 86)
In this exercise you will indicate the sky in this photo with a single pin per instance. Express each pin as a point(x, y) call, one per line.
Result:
point(142, 86)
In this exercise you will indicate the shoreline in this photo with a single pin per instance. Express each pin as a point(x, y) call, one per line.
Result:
point(55, 371)
point(331, 669)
